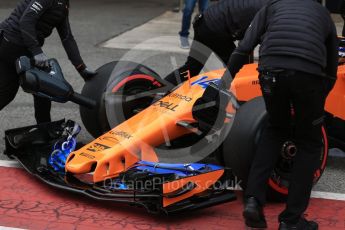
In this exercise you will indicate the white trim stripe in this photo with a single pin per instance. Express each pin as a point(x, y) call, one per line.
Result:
point(39, 5)
point(36, 7)
point(33, 9)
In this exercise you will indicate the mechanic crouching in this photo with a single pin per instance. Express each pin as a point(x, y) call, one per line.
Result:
point(297, 66)
point(23, 34)
point(216, 29)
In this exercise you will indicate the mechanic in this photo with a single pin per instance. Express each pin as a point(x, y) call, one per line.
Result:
point(298, 67)
point(342, 13)
point(217, 28)
point(23, 34)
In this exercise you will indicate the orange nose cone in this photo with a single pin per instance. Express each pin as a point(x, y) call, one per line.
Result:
point(77, 166)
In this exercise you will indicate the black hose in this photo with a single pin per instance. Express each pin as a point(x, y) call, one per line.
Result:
point(83, 101)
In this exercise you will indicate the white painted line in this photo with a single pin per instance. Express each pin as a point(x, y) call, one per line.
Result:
point(9, 164)
point(158, 34)
point(328, 196)
point(7, 228)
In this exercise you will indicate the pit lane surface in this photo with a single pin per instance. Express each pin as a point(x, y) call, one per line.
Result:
point(93, 23)
point(26, 203)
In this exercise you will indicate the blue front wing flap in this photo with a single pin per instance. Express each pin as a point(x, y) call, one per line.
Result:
point(162, 172)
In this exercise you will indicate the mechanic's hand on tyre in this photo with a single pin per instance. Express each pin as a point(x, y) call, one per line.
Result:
point(41, 60)
point(87, 73)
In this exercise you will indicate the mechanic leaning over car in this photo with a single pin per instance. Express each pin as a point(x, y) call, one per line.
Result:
point(23, 34)
point(297, 69)
point(217, 28)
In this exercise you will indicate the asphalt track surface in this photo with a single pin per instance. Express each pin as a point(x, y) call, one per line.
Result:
point(94, 22)
point(26, 203)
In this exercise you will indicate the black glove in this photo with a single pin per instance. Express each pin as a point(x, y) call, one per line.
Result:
point(86, 73)
point(236, 62)
point(41, 60)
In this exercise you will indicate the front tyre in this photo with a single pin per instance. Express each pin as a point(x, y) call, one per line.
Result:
point(123, 78)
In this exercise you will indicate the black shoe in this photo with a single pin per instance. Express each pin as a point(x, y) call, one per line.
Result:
point(253, 214)
point(302, 224)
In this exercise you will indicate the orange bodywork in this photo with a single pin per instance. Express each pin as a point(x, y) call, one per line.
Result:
point(135, 139)
point(202, 182)
point(335, 103)
point(246, 86)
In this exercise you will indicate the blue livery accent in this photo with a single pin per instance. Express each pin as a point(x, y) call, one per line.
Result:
point(151, 169)
point(203, 82)
point(63, 148)
point(180, 169)
point(60, 154)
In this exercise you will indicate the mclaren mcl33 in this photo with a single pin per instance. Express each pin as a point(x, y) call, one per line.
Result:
point(150, 148)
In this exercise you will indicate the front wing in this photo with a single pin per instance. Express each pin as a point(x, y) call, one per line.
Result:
point(158, 187)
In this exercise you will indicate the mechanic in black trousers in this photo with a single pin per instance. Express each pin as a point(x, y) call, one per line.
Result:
point(298, 67)
point(23, 34)
point(217, 28)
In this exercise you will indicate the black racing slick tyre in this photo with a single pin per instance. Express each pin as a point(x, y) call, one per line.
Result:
point(116, 78)
point(240, 146)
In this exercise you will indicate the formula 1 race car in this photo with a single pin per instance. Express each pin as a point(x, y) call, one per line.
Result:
point(159, 155)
